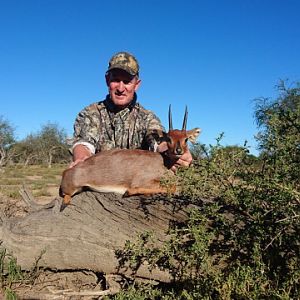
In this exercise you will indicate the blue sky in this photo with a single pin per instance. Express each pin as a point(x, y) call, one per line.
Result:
point(214, 56)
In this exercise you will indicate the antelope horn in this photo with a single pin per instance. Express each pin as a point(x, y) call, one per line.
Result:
point(185, 119)
point(170, 119)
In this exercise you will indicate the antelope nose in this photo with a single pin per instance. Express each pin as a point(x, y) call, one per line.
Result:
point(178, 151)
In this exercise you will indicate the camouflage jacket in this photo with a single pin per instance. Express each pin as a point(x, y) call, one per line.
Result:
point(99, 127)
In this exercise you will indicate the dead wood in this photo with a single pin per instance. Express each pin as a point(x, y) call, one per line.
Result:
point(85, 235)
point(31, 203)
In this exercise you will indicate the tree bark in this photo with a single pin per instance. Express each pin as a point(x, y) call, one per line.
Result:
point(85, 235)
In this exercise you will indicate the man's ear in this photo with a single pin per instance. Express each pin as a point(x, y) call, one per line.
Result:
point(137, 84)
point(193, 134)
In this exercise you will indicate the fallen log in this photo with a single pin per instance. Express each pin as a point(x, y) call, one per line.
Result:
point(85, 235)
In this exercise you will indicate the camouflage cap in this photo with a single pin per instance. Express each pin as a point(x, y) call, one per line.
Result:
point(124, 61)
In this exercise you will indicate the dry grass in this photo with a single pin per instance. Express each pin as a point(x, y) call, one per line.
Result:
point(42, 181)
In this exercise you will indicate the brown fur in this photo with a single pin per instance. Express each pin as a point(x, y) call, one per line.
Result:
point(124, 171)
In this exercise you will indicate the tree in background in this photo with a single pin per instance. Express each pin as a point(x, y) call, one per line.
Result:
point(26, 150)
point(279, 138)
point(7, 139)
point(51, 145)
point(47, 146)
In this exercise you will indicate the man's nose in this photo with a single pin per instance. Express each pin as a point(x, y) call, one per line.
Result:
point(121, 85)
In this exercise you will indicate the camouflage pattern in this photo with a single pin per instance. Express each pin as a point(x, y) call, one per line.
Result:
point(124, 61)
point(133, 127)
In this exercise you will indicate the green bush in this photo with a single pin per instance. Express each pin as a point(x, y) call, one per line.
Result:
point(10, 273)
point(242, 241)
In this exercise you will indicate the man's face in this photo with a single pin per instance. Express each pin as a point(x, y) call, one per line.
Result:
point(121, 86)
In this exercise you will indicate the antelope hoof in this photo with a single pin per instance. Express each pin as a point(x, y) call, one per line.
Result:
point(66, 201)
point(63, 206)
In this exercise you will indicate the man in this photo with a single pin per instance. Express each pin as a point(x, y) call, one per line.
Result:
point(119, 121)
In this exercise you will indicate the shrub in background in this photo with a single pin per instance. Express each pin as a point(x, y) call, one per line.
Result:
point(242, 242)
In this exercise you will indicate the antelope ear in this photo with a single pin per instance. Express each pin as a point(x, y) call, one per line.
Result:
point(193, 134)
point(165, 137)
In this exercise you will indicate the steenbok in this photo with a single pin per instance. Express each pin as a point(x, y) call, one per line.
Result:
point(128, 171)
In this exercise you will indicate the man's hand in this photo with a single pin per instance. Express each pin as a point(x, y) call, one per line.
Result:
point(77, 161)
point(80, 153)
point(183, 161)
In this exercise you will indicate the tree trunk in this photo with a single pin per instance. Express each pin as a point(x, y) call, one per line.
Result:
point(85, 235)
